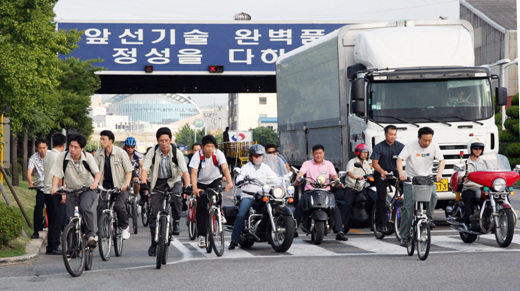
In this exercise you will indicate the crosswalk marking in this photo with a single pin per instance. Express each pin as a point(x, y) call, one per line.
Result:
point(356, 245)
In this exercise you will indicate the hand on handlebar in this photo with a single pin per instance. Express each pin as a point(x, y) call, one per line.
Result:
point(438, 178)
point(403, 177)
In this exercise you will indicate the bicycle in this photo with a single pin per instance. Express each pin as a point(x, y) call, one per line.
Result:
point(146, 209)
point(109, 231)
point(131, 207)
point(214, 225)
point(77, 255)
point(163, 228)
point(420, 233)
point(191, 220)
point(392, 217)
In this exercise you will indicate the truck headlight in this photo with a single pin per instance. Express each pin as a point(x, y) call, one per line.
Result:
point(499, 184)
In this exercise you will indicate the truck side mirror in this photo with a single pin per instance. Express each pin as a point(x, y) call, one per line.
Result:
point(501, 94)
point(357, 93)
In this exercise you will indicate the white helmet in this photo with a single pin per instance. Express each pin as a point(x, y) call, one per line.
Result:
point(475, 142)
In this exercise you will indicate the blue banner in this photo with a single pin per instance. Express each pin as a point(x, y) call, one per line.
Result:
point(180, 48)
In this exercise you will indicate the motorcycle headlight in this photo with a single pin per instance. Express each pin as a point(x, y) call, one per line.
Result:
point(321, 179)
point(499, 184)
point(278, 193)
point(266, 188)
point(290, 190)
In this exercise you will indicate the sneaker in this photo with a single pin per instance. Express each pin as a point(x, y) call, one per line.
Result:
point(152, 250)
point(176, 228)
point(92, 241)
point(35, 235)
point(202, 242)
point(341, 236)
point(232, 246)
point(56, 252)
point(432, 225)
point(405, 242)
point(296, 233)
point(126, 233)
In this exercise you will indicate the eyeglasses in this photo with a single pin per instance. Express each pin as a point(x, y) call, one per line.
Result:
point(270, 152)
point(478, 148)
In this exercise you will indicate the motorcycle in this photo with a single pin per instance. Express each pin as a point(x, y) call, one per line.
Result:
point(318, 214)
point(270, 219)
point(363, 206)
point(493, 212)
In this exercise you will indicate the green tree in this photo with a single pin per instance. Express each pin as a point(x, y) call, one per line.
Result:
point(265, 135)
point(185, 136)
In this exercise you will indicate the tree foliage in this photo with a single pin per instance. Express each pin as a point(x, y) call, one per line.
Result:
point(265, 135)
point(29, 47)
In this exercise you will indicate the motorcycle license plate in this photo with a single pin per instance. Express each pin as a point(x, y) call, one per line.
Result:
point(442, 186)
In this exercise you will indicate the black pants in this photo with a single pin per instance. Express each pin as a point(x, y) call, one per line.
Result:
point(468, 197)
point(38, 211)
point(381, 186)
point(305, 200)
point(202, 206)
point(157, 202)
point(348, 195)
point(55, 217)
point(119, 208)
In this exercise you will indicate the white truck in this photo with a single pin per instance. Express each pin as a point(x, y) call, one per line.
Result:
point(344, 88)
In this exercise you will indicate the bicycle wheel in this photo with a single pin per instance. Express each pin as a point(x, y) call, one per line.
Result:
point(73, 245)
point(134, 215)
point(216, 232)
point(145, 211)
point(397, 217)
point(411, 246)
point(191, 221)
point(118, 241)
point(161, 244)
point(423, 239)
point(90, 257)
point(105, 236)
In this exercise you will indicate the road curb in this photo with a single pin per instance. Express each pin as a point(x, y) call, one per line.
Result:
point(32, 251)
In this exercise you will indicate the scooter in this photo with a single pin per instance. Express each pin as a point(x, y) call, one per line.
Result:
point(364, 203)
point(319, 212)
point(493, 212)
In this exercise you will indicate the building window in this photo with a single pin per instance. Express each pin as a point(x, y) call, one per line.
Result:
point(262, 100)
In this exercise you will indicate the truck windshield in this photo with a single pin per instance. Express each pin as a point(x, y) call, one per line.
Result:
point(440, 100)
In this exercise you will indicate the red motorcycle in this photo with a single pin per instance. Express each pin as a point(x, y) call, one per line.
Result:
point(494, 212)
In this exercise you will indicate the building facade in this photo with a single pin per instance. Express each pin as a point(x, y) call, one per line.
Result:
point(245, 109)
point(495, 34)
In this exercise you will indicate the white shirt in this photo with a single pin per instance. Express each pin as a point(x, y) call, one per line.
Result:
point(419, 161)
point(358, 172)
point(48, 161)
point(263, 173)
point(209, 172)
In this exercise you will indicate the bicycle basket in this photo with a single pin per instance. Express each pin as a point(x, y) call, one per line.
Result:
point(422, 189)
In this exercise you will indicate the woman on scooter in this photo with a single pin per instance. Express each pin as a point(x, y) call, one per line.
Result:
point(470, 189)
point(348, 194)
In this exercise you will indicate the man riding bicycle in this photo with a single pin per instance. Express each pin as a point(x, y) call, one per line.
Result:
point(205, 173)
point(78, 169)
point(166, 163)
point(116, 171)
point(419, 156)
point(136, 158)
point(384, 161)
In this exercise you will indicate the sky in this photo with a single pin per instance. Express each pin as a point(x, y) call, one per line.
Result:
point(265, 10)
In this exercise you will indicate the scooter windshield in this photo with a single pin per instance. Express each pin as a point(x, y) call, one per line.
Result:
point(493, 162)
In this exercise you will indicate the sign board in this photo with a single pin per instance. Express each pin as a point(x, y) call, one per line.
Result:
point(199, 122)
point(192, 48)
point(235, 136)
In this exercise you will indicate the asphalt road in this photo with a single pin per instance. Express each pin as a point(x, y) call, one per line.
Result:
point(362, 263)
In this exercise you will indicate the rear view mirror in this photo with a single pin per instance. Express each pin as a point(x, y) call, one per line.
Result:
point(237, 171)
point(501, 94)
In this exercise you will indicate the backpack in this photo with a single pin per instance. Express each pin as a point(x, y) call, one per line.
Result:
point(85, 164)
point(203, 158)
point(174, 154)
